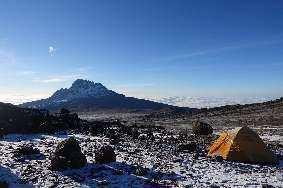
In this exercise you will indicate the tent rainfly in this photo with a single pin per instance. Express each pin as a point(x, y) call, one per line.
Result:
point(242, 144)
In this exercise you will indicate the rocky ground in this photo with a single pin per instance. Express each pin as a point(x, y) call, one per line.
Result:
point(148, 160)
point(153, 150)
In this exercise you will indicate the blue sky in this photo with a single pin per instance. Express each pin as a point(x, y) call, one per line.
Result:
point(143, 48)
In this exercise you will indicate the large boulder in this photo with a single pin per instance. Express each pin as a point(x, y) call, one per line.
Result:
point(201, 128)
point(105, 154)
point(68, 154)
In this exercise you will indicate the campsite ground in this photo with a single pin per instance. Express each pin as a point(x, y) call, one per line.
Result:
point(144, 162)
point(267, 123)
point(138, 163)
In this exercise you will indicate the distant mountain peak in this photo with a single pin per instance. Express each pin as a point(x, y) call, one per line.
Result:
point(85, 95)
point(82, 89)
point(80, 83)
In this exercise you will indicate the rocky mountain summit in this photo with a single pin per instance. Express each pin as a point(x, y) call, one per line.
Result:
point(82, 89)
point(85, 95)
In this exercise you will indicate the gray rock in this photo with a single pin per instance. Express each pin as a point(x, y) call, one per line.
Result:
point(187, 147)
point(105, 154)
point(68, 155)
point(201, 128)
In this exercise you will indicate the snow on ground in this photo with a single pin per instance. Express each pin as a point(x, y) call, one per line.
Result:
point(160, 162)
point(272, 138)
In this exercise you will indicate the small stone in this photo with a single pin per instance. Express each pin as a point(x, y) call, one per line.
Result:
point(140, 171)
point(118, 172)
point(187, 147)
point(267, 186)
point(219, 158)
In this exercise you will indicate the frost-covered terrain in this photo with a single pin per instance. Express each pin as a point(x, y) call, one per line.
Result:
point(140, 163)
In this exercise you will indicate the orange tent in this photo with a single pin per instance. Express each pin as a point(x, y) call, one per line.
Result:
point(242, 144)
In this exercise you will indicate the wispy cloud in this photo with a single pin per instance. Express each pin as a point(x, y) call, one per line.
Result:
point(59, 78)
point(73, 74)
point(136, 85)
point(51, 80)
point(51, 50)
point(222, 49)
point(26, 73)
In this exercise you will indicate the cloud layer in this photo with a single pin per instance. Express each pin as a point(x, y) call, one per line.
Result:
point(208, 102)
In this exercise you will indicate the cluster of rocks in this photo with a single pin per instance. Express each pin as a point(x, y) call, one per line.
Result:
point(14, 119)
point(68, 154)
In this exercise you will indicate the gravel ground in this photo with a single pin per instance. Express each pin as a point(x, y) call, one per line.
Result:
point(139, 164)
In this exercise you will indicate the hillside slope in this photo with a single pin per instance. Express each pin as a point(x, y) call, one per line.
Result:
point(86, 95)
